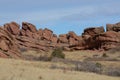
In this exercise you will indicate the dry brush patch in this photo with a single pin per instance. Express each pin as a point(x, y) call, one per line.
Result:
point(11, 69)
point(80, 61)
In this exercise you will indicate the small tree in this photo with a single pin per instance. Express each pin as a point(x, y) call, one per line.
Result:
point(58, 52)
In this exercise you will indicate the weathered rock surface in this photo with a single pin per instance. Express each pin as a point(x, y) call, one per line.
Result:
point(28, 30)
point(63, 38)
point(30, 43)
point(13, 39)
point(93, 31)
point(108, 40)
point(8, 47)
point(47, 34)
point(12, 27)
point(29, 26)
point(113, 27)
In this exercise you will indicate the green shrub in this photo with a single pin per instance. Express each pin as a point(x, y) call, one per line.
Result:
point(104, 55)
point(98, 65)
point(58, 52)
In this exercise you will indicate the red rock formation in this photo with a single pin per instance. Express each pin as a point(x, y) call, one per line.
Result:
point(63, 38)
point(54, 38)
point(113, 27)
point(40, 33)
point(72, 42)
point(12, 27)
point(29, 26)
point(8, 47)
point(12, 39)
point(109, 27)
point(28, 30)
point(73, 38)
point(93, 31)
point(31, 43)
point(108, 40)
point(73, 35)
point(47, 34)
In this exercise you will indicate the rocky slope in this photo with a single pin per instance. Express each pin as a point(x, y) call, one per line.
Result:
point(14, 38)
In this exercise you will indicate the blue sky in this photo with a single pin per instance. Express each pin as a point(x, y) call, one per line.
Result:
point(61, 16)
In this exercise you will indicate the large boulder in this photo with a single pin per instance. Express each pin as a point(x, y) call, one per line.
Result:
point(108, 40)
point(73, 39)
point(93, 31)
point(88, 42)
point(47, 34)
point(40, 33)
point(12, 27)
point(63, 38)
point(113, 27)
point(73, 42)
point(72, 34)
point(54, 38)
point(109, 27)
point(3, 45)
point(29, 26)
point(28, 30)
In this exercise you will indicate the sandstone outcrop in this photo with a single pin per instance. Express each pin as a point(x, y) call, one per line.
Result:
point(47, 34)
point(12, 27)
point(113, 27)
point(28, 30)
point(28, 26)
point(93, 31)
point(108, 40)
point(8, 47)
point(63, 38)
point(13, 39)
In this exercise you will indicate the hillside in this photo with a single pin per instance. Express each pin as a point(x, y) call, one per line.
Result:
point(11, 69)
point(30, 54)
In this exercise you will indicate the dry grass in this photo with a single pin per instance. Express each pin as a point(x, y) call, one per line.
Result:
point(81, 55)
point(36, 53)
point(11, 69)
point(73, 55)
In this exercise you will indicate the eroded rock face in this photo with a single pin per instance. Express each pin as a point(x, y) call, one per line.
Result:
point(12, 27)
point(93, 31)
point(96, 38)
point(108, 40)
point(28, 26)
point(31, 43)
point(109, 27)
point(63, 38)
point(73, 35)
point(3, 45)
point(40, 33)
point(8, 47)
point(42, 39)
point(12, 39)
point(47, 34)
point(54, 38)
point(27, 29)
point(113, 27)
point(89, 40)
